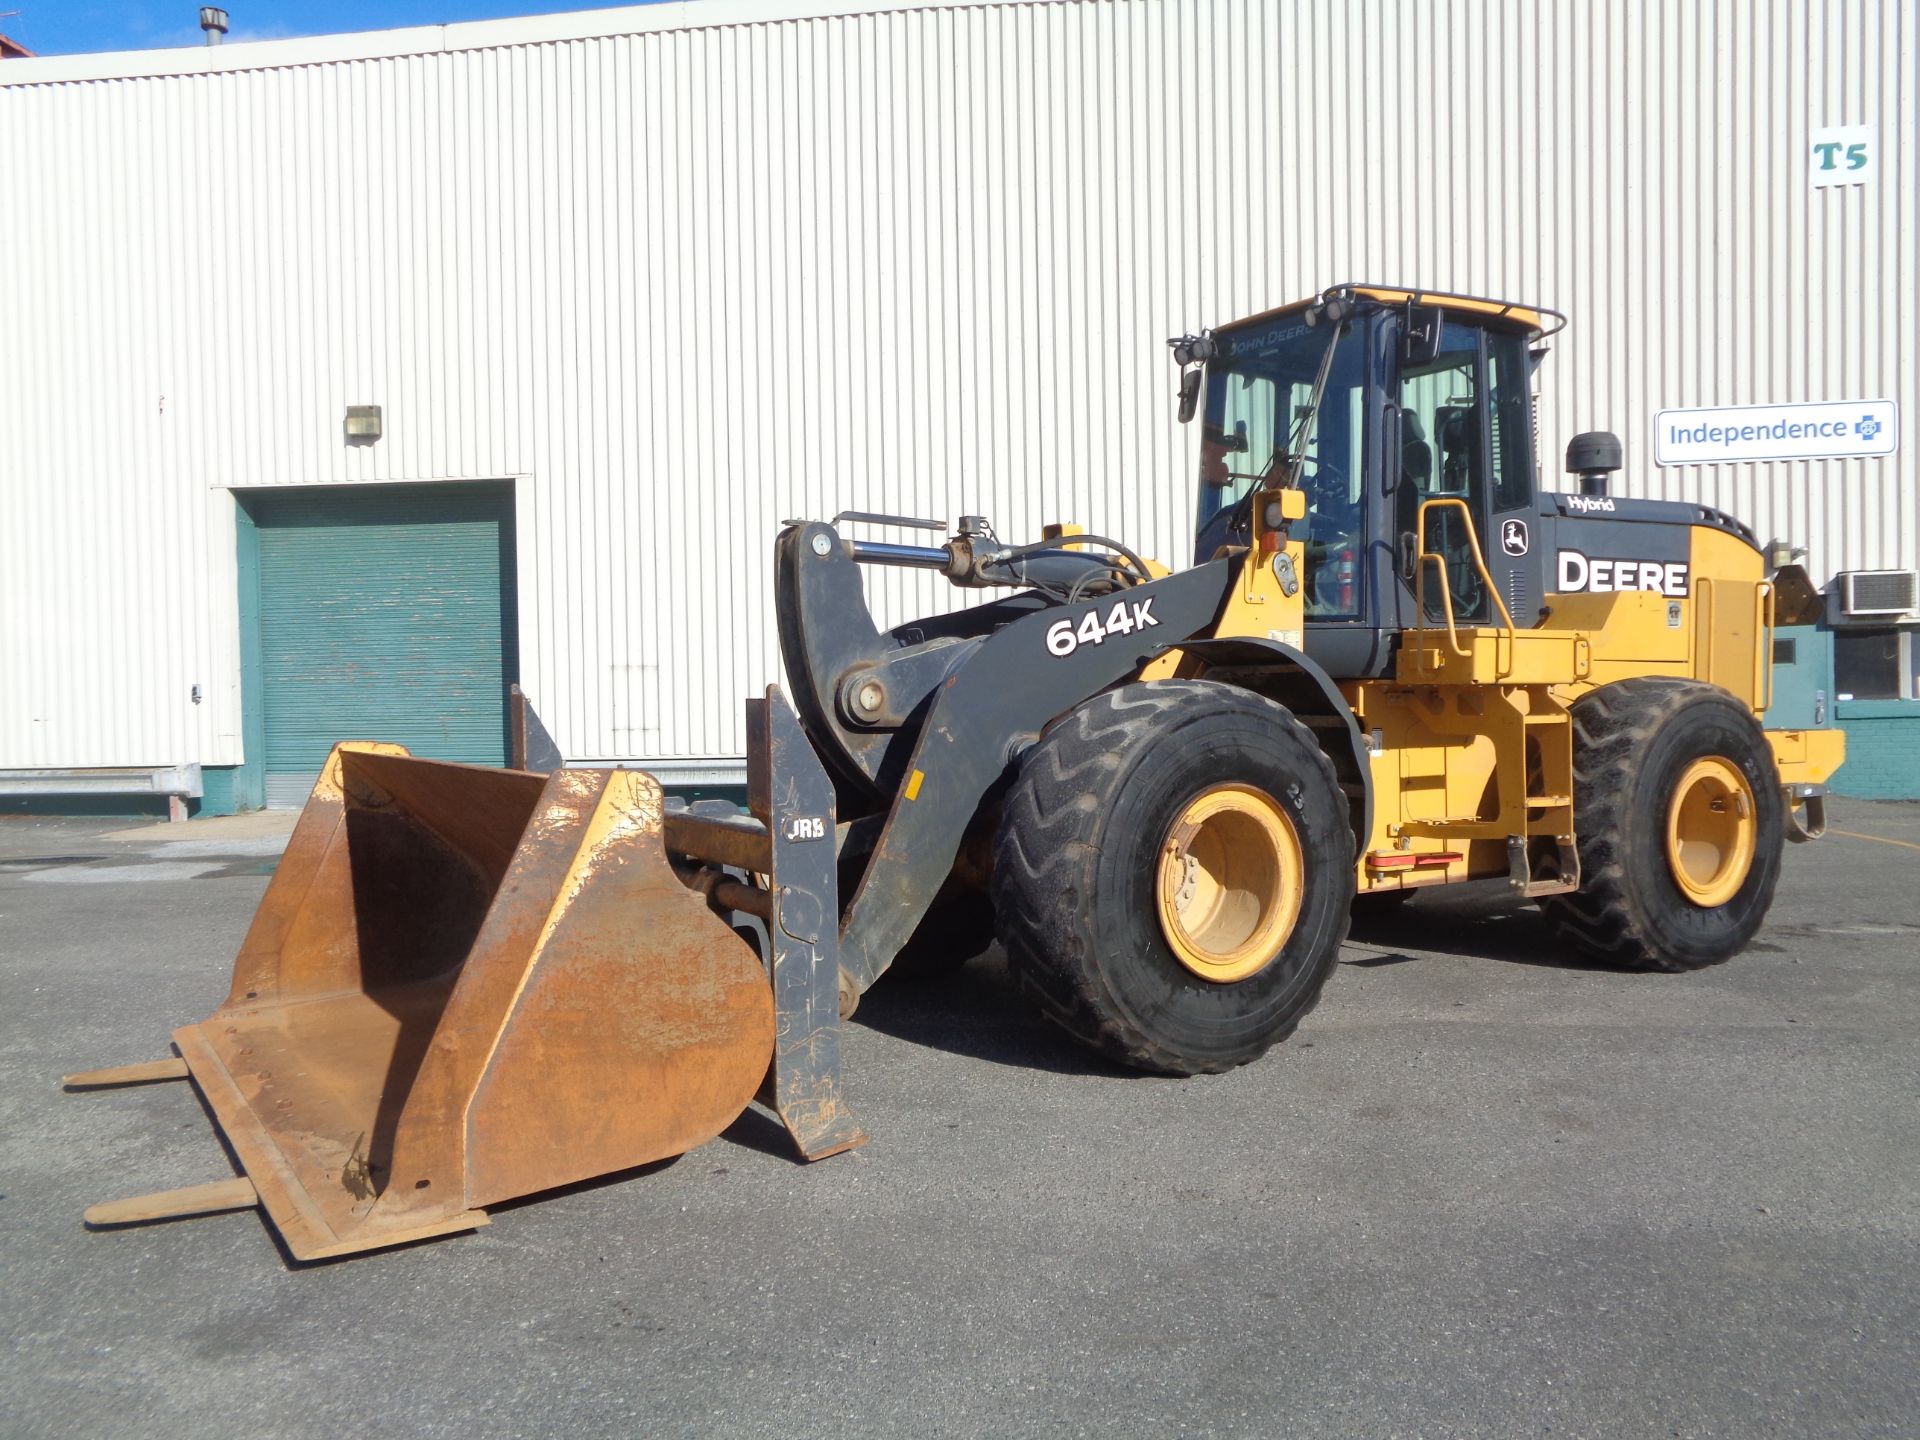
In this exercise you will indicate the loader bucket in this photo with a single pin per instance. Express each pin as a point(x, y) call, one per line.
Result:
point(464, 985)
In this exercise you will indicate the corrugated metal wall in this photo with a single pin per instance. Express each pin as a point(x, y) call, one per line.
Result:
point(688, 280)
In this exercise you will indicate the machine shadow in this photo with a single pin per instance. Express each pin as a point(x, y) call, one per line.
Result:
point(1477, 920)
point(759, 1129)
point(582, 1187)
point(977, 1012)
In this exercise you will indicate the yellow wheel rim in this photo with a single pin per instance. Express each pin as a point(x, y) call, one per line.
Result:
point(1711, 831)
point(1230, 881)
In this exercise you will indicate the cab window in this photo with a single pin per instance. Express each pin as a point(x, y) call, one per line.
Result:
point(1510, 421)
point(1259, 390)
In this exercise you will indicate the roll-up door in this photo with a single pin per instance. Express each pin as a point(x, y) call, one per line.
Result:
point(386, 612)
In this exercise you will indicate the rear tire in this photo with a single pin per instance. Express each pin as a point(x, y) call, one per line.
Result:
point(1089, 889)
point(1656, 761)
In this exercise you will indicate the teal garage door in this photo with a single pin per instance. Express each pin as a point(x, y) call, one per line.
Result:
point(386, 612)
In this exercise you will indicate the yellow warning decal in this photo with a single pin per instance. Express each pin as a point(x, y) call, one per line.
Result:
point(913, 784)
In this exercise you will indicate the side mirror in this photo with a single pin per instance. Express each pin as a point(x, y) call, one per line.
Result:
point(1190, 392)
point(1420, 338)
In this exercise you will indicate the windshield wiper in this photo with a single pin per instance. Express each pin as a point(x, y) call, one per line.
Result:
point(1303, 423)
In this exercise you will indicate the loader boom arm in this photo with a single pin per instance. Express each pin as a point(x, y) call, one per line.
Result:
point(961, 696)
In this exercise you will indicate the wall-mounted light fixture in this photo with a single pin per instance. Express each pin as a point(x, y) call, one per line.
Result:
point(213, 20)
point(363, 423)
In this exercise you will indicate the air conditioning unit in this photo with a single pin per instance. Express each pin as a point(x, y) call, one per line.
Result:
point(1879, 592)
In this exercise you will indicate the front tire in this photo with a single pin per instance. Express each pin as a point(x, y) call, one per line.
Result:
point(1677, 804)
point(1173, 875)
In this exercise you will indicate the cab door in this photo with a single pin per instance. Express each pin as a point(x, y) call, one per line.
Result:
point(1465, 423)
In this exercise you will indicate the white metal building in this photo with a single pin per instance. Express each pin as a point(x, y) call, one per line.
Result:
point(646, 281)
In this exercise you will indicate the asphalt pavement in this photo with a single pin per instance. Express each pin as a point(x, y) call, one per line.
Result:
point(1485, 1191)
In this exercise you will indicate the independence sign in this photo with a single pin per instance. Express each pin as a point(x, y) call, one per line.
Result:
point(1835, 430)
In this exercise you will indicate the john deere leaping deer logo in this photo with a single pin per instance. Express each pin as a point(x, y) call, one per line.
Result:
point(1513, 537)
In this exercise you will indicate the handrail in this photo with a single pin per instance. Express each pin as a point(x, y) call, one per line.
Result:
point(1446, 600)
point(1502, 309)
point(1446, 589)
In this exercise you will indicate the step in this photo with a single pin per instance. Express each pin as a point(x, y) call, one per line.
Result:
point(1533, 890)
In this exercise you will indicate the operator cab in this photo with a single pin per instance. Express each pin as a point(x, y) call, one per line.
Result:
point(1424, 398)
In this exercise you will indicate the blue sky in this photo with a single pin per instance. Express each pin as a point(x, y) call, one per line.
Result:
point(64, 27)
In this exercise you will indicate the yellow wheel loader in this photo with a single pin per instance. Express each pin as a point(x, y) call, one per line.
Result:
point(1395, 663)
